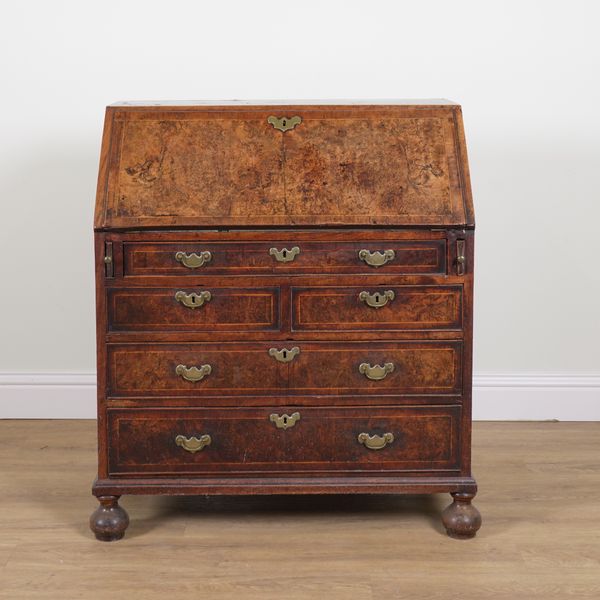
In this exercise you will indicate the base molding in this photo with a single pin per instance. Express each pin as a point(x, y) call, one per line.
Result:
point(284, 485)
point(496, 397)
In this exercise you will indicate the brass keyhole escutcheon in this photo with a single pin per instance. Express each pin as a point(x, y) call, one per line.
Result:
point(284, 123)
point(284, 255)
point(193, 300)
point(284, 355)
point(378, 299)
point(284, 421)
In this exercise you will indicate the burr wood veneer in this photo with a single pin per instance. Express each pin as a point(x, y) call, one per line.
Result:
point(284, 301)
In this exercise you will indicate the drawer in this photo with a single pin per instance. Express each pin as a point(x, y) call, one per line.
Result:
point(193, 369)
point(377, 368)
point(163, 441)
point(283, 256)
point(377, 307)
point(194, 309)
point(273, 368)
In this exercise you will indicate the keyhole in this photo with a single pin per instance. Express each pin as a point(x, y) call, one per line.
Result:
point(285, 354)
point(284, 122)
point(285, 420)
point(376, 297)
point(284, 251)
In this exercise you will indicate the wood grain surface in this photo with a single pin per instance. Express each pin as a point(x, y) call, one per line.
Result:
point(380, 165)
point(539, 489)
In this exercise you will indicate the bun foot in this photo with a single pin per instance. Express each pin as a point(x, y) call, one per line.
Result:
point(461, 519)
point(109, 521)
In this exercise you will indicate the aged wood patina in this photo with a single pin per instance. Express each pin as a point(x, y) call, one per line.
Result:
point(284, 301)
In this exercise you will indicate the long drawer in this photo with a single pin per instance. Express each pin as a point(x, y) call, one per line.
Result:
point(237, 369)
point(284, 255)
point(163, 441)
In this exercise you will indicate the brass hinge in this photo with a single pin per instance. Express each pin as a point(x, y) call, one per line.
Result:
point(461, 261)
point(109, 267)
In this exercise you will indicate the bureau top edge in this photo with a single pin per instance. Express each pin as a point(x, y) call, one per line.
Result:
point(288, 103)
point(282, 228)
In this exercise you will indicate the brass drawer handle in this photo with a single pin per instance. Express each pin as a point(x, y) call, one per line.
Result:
point(284, 421)
point(375, 372)
point(193, 374)
point(378, 299)
point(193, 444)
point(284, 255)
point(375, 442)
point(193, 300)
point(461, 260)
point(193, 260)
point(284, 123)
point(376, 259)
point(284, 355)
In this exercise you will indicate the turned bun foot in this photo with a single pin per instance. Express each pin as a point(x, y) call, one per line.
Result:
point(109, 521)
point(461, 519)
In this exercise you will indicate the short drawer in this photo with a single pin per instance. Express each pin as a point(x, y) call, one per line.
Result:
point(164, 441)
point(194, 309)
point(377, 368)
point(283, 256)
point(193, 369)
point(385, 307)
point(293, 368)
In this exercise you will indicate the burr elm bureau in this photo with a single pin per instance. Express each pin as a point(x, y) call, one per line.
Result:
point(284, 303)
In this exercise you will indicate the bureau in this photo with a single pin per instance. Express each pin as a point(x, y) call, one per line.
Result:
point(284, 303)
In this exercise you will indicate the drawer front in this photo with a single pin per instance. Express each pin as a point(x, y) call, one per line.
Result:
point(163, 441)
point(237, 369)
point(193, 370)
point(377, 307)
point(284, 255)
point(194, 309)
point(377, 368)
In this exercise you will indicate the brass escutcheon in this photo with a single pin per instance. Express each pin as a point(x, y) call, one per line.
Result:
point(376, 259)
point(375, 442)
point(193, 260)
point(193, 444)
point(284, 123)
point(193, 300)
point(193, 374)
point(375, 372)
point(284, 355)
point(378, 299)
point(284, 255)
point(284, 421)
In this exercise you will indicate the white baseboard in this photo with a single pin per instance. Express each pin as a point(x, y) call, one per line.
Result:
point(497, 397)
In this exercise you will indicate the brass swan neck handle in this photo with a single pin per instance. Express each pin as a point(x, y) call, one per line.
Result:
point(376, 259)
point(193, 444)
point(193, 260)
point(376, 372)
point(375, 442)
point(193, 374)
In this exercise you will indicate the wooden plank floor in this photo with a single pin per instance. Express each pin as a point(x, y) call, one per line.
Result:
point(539, 496)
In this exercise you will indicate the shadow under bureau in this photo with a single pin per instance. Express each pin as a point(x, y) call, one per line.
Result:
point(284, 303)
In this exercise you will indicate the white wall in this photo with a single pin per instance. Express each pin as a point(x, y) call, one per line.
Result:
point(525, 72)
